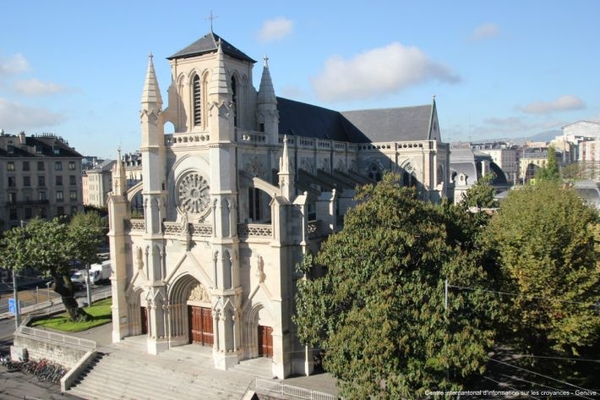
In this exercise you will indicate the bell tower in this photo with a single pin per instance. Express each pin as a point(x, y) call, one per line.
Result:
point(223, 194)
point(154, 194)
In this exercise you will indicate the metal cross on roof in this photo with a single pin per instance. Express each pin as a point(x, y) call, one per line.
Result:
point(211, 17)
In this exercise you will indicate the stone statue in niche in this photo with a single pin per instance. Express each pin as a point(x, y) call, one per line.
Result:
point(139, 259)
point(260, 272)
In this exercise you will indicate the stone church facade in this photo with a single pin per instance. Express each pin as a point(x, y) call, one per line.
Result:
point(245, 186)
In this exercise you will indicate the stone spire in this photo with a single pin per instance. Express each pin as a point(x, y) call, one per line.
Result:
point(286, 174)
point(285, 159)
point(266, 92)
point(151, 92)
point(218, 83)
point(119, 178)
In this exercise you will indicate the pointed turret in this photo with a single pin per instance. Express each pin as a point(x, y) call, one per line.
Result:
point(218, 83)
point(267, 115)
point(151, 92)
point(266, 92)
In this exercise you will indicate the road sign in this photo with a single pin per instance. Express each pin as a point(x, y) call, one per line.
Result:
point(11, 306)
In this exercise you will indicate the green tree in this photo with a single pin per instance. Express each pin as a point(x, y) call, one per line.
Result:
point(551, 171)
point(482, 193)
point(544, 238)
point(87, 231)
point(378, 309)
point(50, 247)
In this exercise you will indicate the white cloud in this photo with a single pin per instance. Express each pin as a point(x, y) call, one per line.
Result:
point(485, 31)
point(32, 87)
point(275, 29)
point(13, 65)
point(378, 71)
point(17, 117)
point(562, 103)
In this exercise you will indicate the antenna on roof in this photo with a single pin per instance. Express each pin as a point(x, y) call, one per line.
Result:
point(211, 17)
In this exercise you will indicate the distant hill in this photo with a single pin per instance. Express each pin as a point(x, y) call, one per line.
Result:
point(545, 136)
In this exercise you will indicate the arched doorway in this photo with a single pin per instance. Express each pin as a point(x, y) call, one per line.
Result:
point(190, 315)
point(259, 334)
point(200, 317)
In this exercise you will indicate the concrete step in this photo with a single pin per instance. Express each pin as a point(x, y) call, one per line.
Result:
point(130, 374)
point(256, 367)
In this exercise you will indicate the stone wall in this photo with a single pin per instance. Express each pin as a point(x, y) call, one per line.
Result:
point(38, 348)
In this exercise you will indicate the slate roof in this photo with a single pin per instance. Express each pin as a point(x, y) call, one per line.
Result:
point(208, 44)
point(362, 126)
point(393, 124)
point(307, 120)
point(36, 146)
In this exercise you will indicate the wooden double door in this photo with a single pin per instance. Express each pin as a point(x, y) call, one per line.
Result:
point(265, 341)
point(201, 325)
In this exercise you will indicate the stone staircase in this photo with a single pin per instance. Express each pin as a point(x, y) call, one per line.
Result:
point(126, 371)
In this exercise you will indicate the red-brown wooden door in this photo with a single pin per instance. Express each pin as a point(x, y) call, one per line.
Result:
point(201, 325)
point(265, 341)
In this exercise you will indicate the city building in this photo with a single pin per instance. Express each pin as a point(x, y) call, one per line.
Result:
point(98, 183)
point(40, 176)
point(246, 185)
point(533, 158)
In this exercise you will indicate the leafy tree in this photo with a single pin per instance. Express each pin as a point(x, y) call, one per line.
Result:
point(481, 194)
point(49, 247)
point(544, 238)
point(87, 230)
point(379, 308)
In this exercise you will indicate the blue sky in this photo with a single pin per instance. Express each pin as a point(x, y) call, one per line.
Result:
point(498, 69)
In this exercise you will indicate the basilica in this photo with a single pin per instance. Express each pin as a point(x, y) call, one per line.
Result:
point(244, 187)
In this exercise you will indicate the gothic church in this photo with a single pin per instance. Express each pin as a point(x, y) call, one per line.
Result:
point(245, 186)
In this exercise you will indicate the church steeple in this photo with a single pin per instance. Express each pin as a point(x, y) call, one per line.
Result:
point(151, 92)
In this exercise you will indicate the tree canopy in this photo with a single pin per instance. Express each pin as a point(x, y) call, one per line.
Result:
point(545, 240)
point(379, 308)
point(551, 172)
point(50, 246)
point(481, 194)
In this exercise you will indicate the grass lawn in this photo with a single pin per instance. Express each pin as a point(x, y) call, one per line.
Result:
point(100, 310)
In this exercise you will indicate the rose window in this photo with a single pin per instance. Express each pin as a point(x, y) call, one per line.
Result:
point(193, 194)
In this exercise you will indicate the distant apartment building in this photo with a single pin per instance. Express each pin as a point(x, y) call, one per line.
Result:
point(97, 179)
point(40, 176)
point(133, 175)
point(534, 158)
point(504, 155)
point(98, 182)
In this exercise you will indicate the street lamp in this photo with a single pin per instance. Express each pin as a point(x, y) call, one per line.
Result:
point(16, 291)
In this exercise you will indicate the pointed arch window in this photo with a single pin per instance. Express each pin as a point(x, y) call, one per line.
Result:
point(234, 100)
point(197, 98)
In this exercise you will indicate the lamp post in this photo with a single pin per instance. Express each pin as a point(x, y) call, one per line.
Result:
point(16, 297)
point(16, 291)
